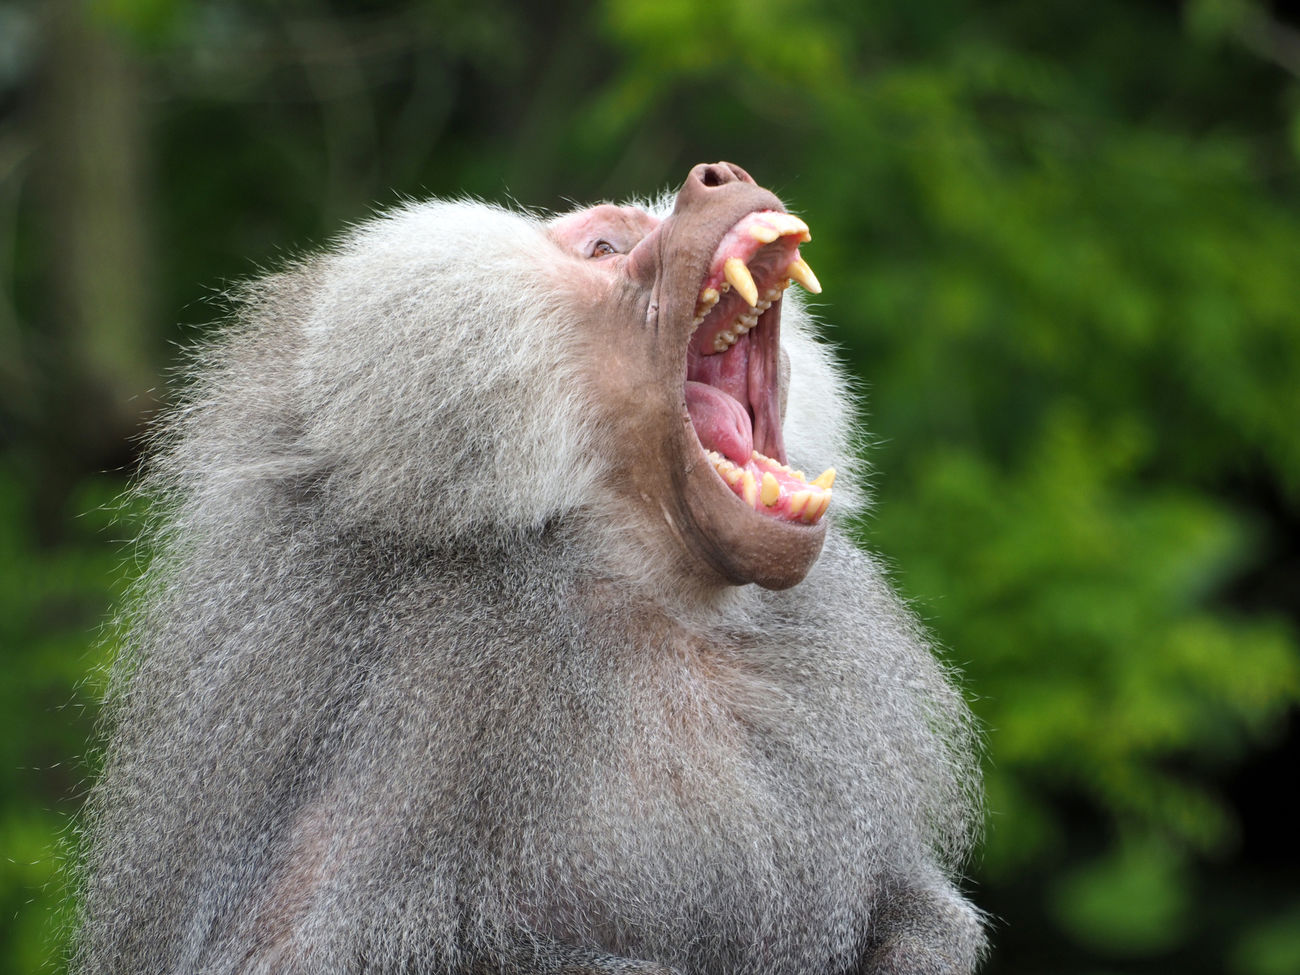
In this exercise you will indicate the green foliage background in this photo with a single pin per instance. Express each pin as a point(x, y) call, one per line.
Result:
point(1060, 245)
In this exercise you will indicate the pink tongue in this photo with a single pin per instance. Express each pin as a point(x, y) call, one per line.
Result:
point(721, 423)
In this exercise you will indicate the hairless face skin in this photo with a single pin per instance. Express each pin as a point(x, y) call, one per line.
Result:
point(689, 368)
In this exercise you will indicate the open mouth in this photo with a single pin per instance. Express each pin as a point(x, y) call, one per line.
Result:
point(733, 366)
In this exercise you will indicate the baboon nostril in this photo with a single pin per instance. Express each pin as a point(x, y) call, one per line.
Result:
point(712, 176)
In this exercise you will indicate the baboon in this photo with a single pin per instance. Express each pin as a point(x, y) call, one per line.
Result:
point(488, 626)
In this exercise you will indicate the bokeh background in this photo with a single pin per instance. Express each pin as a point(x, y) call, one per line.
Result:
point(1060, 245)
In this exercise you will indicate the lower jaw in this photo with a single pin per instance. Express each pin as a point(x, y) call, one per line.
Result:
point(735, 543)
point(767, 552)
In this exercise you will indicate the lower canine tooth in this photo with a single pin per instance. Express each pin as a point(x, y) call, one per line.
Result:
point(740, 278)
point(748, 489)
point(771, 489)
point(825, 479)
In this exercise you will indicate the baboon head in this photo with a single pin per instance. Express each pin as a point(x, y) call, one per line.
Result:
point(683, 326)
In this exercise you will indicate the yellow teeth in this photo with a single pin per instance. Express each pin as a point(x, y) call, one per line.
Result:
point(807, 505)
point(770, 225)
point(825, 479)
point(801, 272)
point(726, 339)
point(799, 501)
point(817, 506)
point(708, 298)
point(790, 225)
point(764, 459)
point(736, 272)
point(729, 471)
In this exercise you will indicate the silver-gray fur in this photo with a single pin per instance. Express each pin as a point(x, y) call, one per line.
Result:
point(396, 696)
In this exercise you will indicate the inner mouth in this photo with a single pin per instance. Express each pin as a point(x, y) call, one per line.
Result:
point(732, 366)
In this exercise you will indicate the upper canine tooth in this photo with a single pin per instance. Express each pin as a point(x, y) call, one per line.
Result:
point(740, 278)
point(801, 272)
point(763, 234)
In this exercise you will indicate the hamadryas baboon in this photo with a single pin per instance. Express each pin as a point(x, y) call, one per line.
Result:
point(490, 628)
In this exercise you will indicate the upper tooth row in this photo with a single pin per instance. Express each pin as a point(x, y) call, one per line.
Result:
point(708, 298)
point(726, 339)
point(772, 224)
point(737, 275)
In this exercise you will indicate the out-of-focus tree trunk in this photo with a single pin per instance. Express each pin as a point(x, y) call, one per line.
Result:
point(93, 357)
point(89, 175)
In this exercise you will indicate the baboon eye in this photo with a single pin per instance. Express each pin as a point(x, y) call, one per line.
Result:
point(602, 248)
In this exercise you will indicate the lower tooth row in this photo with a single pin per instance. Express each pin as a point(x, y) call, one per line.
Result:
point(729, 471)
point(808, 506)
point(785, 467)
